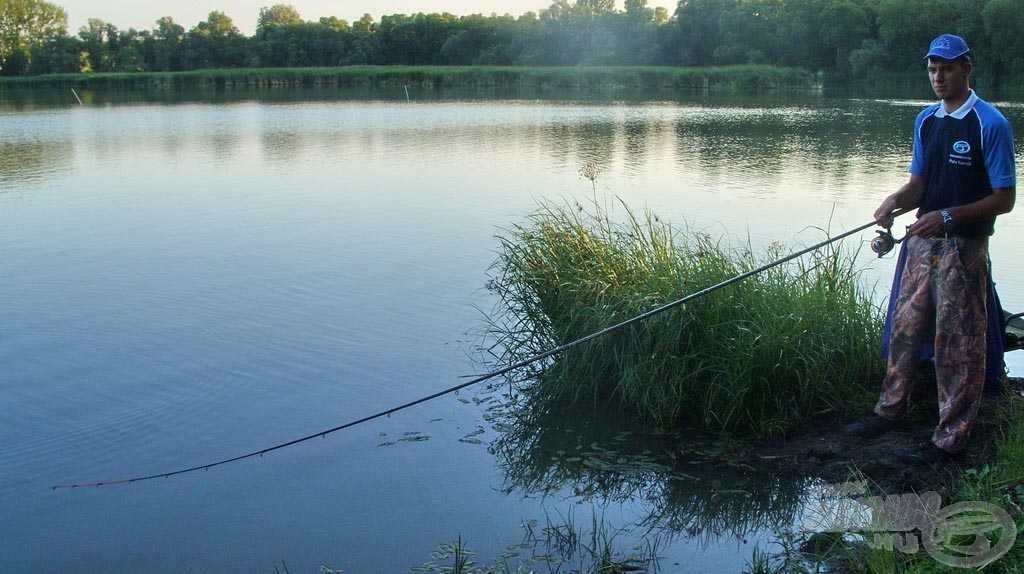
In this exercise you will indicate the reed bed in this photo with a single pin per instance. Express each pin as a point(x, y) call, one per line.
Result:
point(757, 358)
point(740, 79)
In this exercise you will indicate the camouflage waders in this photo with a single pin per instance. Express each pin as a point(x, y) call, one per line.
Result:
point(942, 296)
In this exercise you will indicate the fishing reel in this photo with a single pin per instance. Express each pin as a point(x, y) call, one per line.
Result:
point(885, 242)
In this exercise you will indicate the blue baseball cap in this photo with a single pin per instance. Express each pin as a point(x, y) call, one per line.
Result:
point(947, 47)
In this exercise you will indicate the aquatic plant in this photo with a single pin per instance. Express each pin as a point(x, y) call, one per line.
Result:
point(756, 358)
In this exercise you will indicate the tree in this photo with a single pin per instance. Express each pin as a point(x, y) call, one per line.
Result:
point(844, 28)
point(559, 10)
point(1003, 24)
point(594, 7)
point(660, 15)
point(335, 23)
point(218, 25)
point(277, 15)
point(415, 40)
point(638, 10)
point(214, 42)
point(57, 55)
point(96, 40)
point(167, 41)
point(25, 24)
point(697, 30)
point(364, 25)
point(907, 26)
point(167, 29)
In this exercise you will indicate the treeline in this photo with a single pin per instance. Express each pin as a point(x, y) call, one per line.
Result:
point(843, 38)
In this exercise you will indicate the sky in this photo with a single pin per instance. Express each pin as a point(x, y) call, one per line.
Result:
point(143, 14)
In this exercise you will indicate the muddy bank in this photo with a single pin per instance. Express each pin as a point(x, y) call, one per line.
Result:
point(889, 461)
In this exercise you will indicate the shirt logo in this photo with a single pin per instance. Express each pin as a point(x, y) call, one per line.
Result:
point(961, 147)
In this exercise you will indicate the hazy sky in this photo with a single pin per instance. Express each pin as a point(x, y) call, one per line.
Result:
point(140, 14)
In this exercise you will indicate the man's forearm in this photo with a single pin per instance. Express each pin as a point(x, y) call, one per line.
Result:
point(908, 196)
point(1000, 201)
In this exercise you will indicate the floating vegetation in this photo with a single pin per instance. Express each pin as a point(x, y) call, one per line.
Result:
point(410, 436)
point(471, 438)
point(757, 358)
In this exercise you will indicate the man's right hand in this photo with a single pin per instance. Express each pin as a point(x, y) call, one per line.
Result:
point(883, 215)
point(907, 197)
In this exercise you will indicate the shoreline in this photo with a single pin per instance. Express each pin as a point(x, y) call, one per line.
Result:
point(746, 78)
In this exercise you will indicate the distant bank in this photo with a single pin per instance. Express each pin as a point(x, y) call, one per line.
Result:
point(744, 78)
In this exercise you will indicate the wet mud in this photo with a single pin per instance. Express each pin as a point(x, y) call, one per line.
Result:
point(894, 461)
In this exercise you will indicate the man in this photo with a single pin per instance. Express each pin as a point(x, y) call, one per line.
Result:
point(961, 178)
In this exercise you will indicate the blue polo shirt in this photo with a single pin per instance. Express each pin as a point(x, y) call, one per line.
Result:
point(962, 155)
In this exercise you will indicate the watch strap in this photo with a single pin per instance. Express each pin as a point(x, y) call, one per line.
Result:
point(947, 220)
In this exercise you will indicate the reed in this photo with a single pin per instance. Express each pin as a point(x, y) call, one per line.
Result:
point(741, 79)
point(757, 358)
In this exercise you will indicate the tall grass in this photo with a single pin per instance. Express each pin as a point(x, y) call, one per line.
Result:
point(758, 358)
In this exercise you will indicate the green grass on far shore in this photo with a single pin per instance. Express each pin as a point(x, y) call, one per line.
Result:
point(747, 78)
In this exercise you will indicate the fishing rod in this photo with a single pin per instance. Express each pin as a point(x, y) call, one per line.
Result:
point(491, 375)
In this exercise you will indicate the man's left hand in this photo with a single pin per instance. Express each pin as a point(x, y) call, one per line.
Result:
point(928, 225)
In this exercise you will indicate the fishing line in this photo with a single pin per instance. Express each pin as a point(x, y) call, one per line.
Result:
point(481, 378)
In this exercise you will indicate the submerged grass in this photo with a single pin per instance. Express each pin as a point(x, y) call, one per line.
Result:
point(559, 546)
point(757, 358)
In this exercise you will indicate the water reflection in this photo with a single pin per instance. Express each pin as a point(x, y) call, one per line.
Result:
point(635, 144)
point(26, 163)
point(696, 488)
point(279, 145)
point(712, 147)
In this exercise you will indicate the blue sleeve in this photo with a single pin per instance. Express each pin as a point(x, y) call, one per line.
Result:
point(917, 159)
point(999, 162)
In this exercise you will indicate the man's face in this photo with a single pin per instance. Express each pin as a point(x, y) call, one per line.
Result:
point(950, 80)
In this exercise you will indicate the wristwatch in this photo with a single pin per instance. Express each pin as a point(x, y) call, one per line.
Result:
point(947, 221)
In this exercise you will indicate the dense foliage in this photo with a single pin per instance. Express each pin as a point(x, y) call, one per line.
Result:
point(846, 38)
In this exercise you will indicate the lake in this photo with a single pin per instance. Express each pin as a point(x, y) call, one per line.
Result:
point(187, 278)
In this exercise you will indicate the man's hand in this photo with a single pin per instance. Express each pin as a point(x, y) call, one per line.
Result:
point(906, 198)
point(928, 225)
point(883, 215)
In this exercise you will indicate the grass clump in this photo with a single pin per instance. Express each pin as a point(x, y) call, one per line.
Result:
point(755, 358)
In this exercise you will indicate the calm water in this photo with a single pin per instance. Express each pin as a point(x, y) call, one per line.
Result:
point(186, 281)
